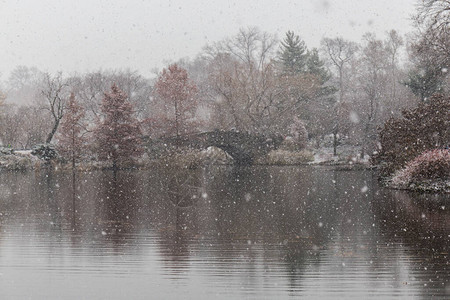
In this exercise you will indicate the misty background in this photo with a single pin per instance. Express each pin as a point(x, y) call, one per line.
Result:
point(84, 36)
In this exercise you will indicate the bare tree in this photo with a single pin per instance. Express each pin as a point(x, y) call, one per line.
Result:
point(10, 125)
point(250, 46)
point(23, 85)
point(54, 90)
point(340, 52)
point(433, 23)
point(373, 80)
point(392, 45)
point(430, 49)
point(22, 77)
point(89, 89)
point(33, 124)
point(241, 72)
point(197, 70)
point(138, 89)
point(251, 93)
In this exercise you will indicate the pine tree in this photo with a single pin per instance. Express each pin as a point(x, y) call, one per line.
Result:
point(70, 139)
point(315, 66)
point(425, 83)
point(118, 134)
point(292, 54)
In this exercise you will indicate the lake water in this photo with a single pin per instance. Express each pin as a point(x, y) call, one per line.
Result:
point(220, 233)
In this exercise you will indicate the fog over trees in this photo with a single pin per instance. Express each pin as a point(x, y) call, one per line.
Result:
point(251, 82)
point(309, 162)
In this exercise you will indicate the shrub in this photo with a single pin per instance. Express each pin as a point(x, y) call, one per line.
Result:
point(6, 151)
point(298, 136)
point(289, 144)
point(45, 151)
point(430, 165)
point(15, 162)
point(423, 128)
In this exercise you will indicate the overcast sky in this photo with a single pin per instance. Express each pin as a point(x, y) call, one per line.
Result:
point(84, 35)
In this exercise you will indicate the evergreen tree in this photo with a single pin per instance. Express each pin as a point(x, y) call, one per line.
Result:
point(70, 139)
point(297, 60)
point(424, 82)
point(292, 54)
point(305, 71)
point(315, 66)
point(118, 134)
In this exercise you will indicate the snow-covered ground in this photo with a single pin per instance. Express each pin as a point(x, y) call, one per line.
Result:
point(345, 154)
point(19, 160)
point(23, 152)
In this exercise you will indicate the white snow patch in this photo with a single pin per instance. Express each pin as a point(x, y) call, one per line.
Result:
point(364, 189)
point(354, 118)
point(23, 152)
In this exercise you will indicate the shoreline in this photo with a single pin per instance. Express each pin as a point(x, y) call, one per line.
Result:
point(426, 186)
point(192, 159)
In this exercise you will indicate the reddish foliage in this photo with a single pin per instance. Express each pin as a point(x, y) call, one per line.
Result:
point(420, 129)
point(119, 133)
point(70, 139)
point(434, 164)
point(177, 96)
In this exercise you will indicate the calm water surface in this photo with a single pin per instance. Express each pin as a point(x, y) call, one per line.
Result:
point(220, 233)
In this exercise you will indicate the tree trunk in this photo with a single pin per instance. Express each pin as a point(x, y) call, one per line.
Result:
point(52, 133)
point(73, 196)
point(338, 109)
point(177, 125)
point(115, 177)
point(335, 142)
point(73, 150)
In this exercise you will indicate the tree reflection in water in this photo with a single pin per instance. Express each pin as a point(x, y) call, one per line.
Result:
point(265, 231)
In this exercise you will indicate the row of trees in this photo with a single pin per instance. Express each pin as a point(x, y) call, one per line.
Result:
point(43, 101)
point(249, 82)
point(117, 135)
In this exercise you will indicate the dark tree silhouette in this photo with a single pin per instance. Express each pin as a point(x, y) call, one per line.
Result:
point(292, 54)
point(119, 134)
point(423, 128)
point(53, 92)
